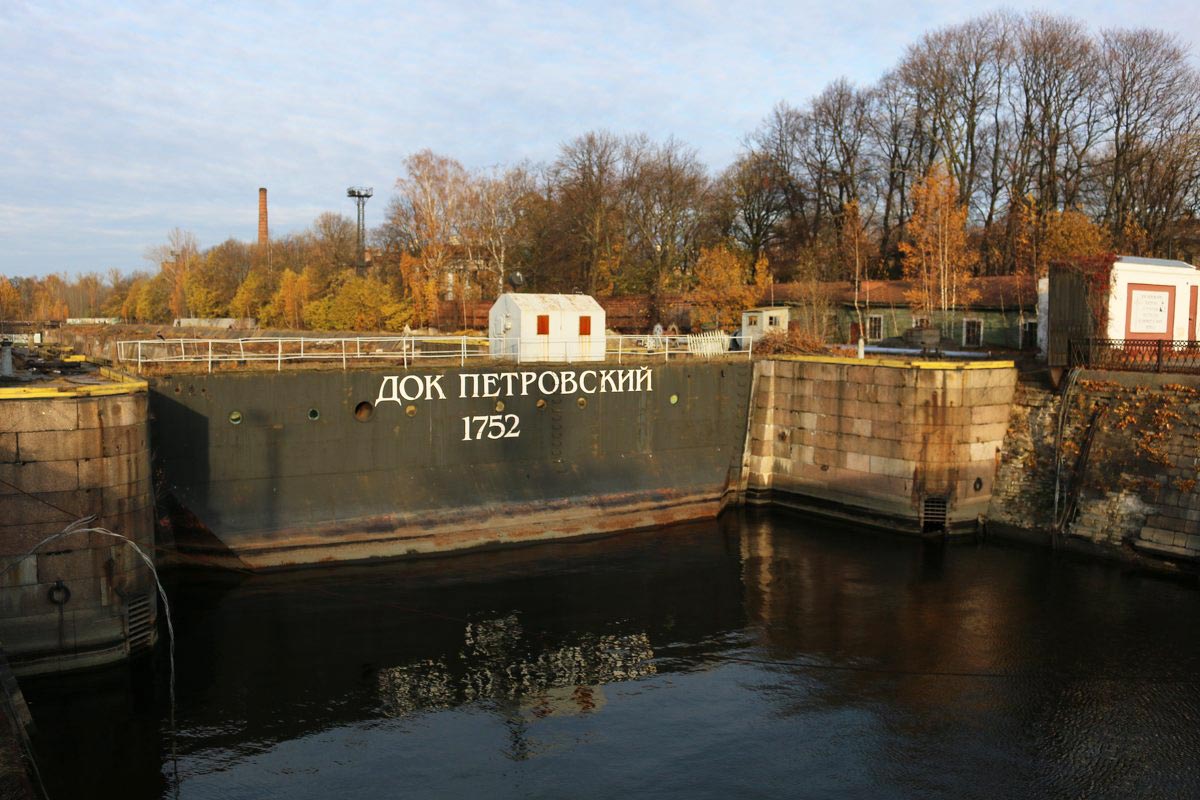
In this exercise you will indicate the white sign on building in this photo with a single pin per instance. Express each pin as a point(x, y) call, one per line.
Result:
point(1148, 311)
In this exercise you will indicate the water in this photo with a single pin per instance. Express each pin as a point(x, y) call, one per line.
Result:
point(759, 656)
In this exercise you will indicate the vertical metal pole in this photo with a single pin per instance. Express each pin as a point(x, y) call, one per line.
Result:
point(620, 347)
point(210, 355)
point(405, 343)
point(750, 351)
point(463, 360)
point(343, 355)
point(279, 356)
point(139, 356)
point(666, 348)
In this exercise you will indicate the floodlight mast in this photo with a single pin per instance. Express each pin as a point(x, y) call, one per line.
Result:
point(361, 194)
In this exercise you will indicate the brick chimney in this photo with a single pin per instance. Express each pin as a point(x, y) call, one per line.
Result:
point(263, 239)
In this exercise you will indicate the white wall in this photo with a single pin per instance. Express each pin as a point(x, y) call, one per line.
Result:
point(1125, 274)
point(563, 343)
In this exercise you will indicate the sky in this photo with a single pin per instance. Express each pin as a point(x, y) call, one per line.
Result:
point(121, 121)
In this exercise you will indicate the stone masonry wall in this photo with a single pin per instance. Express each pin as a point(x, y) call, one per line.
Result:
point(875, 438)
point(1131, 489)
point(62, 459)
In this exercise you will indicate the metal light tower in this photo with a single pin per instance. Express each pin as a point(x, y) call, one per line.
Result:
point(361, 194)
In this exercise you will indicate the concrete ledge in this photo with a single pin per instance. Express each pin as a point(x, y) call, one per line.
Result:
point(893, 363)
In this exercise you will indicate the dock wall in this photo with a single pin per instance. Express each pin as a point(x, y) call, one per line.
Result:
point(65, 456)
point(1124, 455)
point(907, 445)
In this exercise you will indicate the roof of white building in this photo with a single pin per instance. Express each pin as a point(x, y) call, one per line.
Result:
point(554, 302)
point(1153, 262)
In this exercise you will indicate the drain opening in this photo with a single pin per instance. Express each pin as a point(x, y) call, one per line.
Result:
point(139, 626)
point(933, 515)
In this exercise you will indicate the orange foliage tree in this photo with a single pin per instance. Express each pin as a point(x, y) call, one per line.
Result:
point(10, 300)
point(936, 254)
point(725, 285)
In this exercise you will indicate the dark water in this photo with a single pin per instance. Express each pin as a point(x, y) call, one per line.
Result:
point(761, 656)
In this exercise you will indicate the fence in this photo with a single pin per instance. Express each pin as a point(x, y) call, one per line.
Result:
point(407, 350)
point(1136, 355)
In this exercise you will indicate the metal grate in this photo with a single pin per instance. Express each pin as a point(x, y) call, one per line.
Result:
point(139, 623)
point(933, 514)
point(1136, 355)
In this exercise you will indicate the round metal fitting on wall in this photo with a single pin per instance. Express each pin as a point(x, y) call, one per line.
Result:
point(59, 594)
point(235, 417)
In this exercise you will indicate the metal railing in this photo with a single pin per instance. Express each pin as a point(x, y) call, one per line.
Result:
point(1135, 355)
point(411, 350)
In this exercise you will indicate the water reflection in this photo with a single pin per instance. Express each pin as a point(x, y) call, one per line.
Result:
point(495, 664)
point(764, 654)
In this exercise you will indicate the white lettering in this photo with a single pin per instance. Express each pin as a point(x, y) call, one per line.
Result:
point(583, 381)
point(462, 384)
point(491, 385)
point(390, 380)
point(568, 378)
point(625, 380)
point(527, 379)
point(608, 382)
point(542, 382)
point(416, 395)
point(508, 377)
point(433, 382)
point(644, 377)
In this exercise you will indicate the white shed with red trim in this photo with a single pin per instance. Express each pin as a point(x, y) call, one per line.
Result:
point(547, 327)
point(1153, 298)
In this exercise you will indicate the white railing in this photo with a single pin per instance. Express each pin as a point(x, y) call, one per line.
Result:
point(410, 350)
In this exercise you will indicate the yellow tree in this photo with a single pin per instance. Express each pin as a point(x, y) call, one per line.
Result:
point(724, 286)
point(1070, 234)
point(937, 257)
point(287, 307)
point(10, 300)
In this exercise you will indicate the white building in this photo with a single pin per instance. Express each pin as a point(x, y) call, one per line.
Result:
point(1152, 298)
point(547, 327)
point(757, 322)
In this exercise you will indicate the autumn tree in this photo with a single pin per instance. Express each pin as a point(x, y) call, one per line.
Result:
point(937, 256)
point(726, 285)
point(10, 300)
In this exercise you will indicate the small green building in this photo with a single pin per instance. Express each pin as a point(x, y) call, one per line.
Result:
point(1004, 317)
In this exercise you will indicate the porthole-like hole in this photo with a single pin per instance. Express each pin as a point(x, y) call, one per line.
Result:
point(499, 406)
point(410, 410)
point(581, 402)
point(178, 389)
point(235, 417)
point(540, 403)
point(313, 414)
point(674, 399)
point(363, 411)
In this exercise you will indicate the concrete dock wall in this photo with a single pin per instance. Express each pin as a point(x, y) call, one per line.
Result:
point(878, 440)
point(63, 458)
